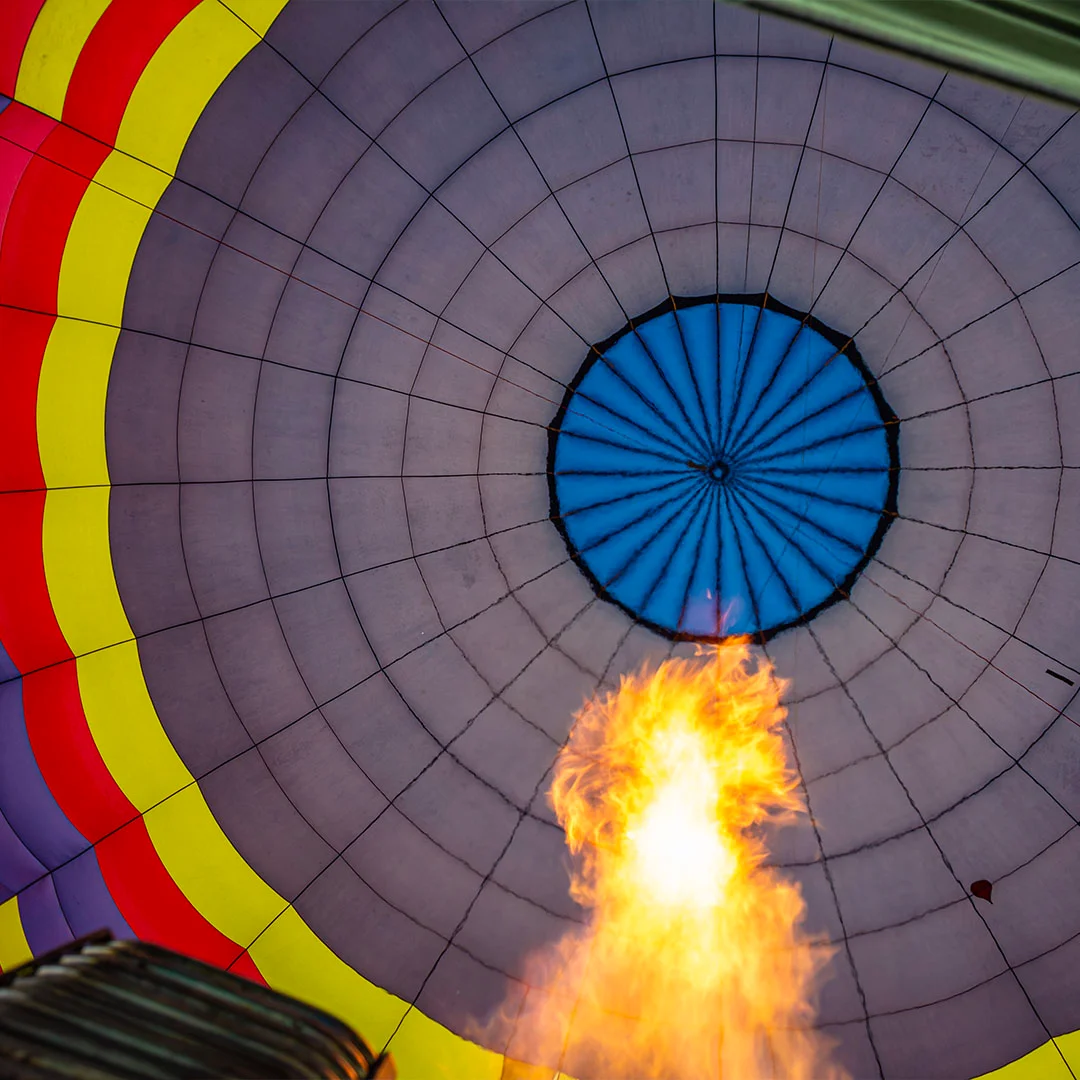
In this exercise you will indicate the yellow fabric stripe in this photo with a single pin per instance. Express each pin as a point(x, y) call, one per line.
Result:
point(71, 400)
point(293, 959)
point(1043, 1063)
point(78, 566)
point(104, 237)
point(57, 38)
point(189, 66)
point(168, 99)
point(126, 728)
point(14, 949)
point(208, 869)
point(425, 1049)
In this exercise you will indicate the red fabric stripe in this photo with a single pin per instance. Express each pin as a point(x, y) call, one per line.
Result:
point(114, 56)
point(46, 197)
point(40, 217)
point(68, 756)
point(155, 908)
point(27, 625)
point(24, 336)
point(17, 19)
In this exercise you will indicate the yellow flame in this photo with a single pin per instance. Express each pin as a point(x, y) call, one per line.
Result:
point(692, 963)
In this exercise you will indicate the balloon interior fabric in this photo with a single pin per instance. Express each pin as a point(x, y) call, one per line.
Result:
point(317, 321)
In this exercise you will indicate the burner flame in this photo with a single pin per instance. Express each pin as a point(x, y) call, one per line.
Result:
point(693, 962)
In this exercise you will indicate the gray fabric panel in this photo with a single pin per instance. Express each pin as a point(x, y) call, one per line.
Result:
point(178, 247)
point(852, 1049)
point(932, 761)
point(292, 413)
point(431, 258)
point(907, 873)
point(443, 511)
point(915, 938)
point(923, 701)
point(884, 808)
point(1036, 914)
point(295, 535)
point(541, 60)
point(1000, 827)
point(144, 538)
point(838, 998)
point(464, 580)
point(1052, 763)
point(419, 676)
point(477, 24)
point(243, 288)
point(256, 668)
point(442, 376)
point(1051, 980)
point(189, 698)
point(537, 865)
point(387, 67)
point(221, 155)
point(314, 35)
point(467, 992)
point(380, 942)
point(366, 214)
point(493, 189)
point(217, 407)
point(401, 863)
point(326, 641)
point(398, 591)
point(634, 35)
point(140, 444)
point(266, 828)
point(555, 601)
point(317, 312)
point(941, 954)
point(378, 730)
point(221, 546)
point(516, 642)
point(446, 123)
point(492, 305)
point(508, 753)
point(344, 801)
point(502, 930)
point(303, 167)
point(829, 733)
point(370, 527)
point(367, 438)
point(958, 1032)
point(460, 813)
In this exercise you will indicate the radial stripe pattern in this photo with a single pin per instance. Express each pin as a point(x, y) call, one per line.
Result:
point(724, 466)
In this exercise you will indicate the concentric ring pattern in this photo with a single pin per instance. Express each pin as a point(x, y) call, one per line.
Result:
point(723, 467)
point(290, 297)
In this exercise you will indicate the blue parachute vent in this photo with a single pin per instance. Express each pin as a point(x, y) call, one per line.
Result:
point(723, 466)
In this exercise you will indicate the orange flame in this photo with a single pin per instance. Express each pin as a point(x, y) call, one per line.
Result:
point(693, 963)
